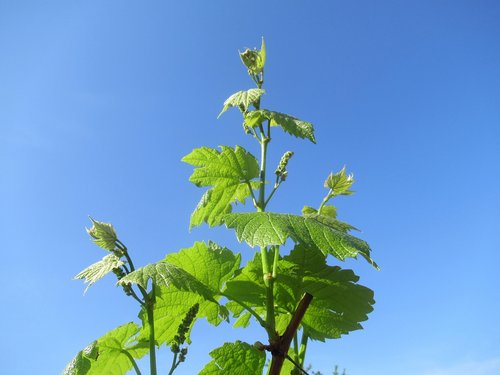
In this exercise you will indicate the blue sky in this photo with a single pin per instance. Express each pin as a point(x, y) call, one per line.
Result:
point(99, 101)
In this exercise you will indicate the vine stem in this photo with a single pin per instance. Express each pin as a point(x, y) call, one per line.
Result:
point(152, 345)
point(325, 199)
point(174, 365)
point(148, 304)
point(280, 349)
point(134, 363)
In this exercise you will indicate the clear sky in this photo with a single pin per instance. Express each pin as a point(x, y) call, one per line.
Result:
point(99, 101)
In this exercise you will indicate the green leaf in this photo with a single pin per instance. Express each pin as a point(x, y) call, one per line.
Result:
point(248, 286)
point(167, 275)
point(327, 216)
point(112, 354)
point(170, 308)
point(329, 211)
point(308, 210)
point(289, 124)
point(265, 228)
point(81, 363)
point(212, 265)
point(228, 173)
point(237, 358)
point(209, 267)
point(242, 99)
point(340, 183)
point(103, 234)
point(99, 269)
point(339, 303)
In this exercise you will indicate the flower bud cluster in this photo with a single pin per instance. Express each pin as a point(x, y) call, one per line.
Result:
point(281, 171)
point(183, 329)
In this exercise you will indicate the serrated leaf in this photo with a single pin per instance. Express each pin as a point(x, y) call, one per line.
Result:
point(103, 234)
point(289, 124)
point(170, 308)
point(164, 274)
point(216, 203)
point(248, 286)
point(209, 267)
point(329, 211)
point(228, 173)
point(112, 354)
point(238, 358)
point(340, 183)
point(266, 228)
point(339, 303)
point(308, 210)
point(327, 216)
point(243, 321)
point(99, 269)
point(242, 99)
point(81, 363)
point(212, 265)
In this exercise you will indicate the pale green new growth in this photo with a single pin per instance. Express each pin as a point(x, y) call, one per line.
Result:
point(103, 235)
point(339, 183)
point(238, 358)
point(99, 269)
point(243, 100)
point(289, 124)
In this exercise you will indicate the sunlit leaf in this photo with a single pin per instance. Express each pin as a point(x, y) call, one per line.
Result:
point(99, 269)
point(228, 174)
point(242, 99)
point(340, 183)
point(238, 358)
point(339, 304)
point(103, 234)
point(165, 274)
point(290, 124)
point(265, 228)
point(112, 354)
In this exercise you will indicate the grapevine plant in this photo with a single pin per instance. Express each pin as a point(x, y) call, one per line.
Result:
point(293, 294)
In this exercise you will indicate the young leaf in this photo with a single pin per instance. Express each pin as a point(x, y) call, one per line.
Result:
point(103, 234)
point(216, 203)
point(235, 358)
point(328, 211)
point(242, 99)
point(290, 124)
point(327, 216)
point(254, 60)
point(340, 183)
point(112, 354)
point(167, 275)
point(265, 228)
point(99, 269)
point(228, 173)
